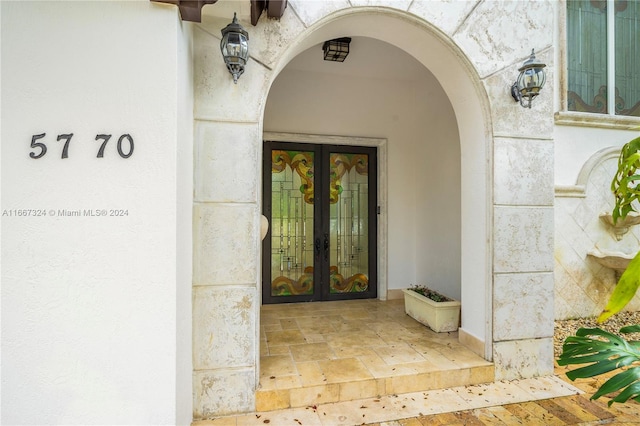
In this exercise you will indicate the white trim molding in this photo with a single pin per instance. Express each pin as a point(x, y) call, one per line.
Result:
point(578, 190)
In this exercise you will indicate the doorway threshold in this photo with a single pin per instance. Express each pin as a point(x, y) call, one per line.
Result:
point(319, 353)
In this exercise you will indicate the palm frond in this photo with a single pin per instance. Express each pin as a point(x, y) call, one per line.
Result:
point(605, 352)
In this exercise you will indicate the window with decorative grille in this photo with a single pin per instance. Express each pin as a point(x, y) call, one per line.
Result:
point(603, 56)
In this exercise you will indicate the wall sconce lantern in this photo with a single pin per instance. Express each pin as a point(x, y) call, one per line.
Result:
point(235, 48)
point(337, 49)
point(530, 81)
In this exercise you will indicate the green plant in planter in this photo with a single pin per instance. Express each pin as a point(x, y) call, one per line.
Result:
point(430, 294)
point(603, 351)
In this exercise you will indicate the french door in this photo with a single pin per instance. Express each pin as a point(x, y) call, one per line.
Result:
point(321, 204)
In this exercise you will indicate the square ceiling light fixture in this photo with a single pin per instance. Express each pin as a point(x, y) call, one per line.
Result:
point(337, 49)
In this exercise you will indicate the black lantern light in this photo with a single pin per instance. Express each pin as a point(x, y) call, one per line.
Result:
point(235, 48)
point(530, 81)
point(336, 50)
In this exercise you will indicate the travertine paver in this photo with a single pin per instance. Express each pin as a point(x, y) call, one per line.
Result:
point(548, 400)
point(340, 351)
point(564, 410)
point(459, 405)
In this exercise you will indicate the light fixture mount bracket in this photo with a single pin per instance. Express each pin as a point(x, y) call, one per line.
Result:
point(529, 82)
point(234, 46)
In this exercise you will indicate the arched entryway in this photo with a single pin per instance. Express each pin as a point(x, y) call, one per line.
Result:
point(408, 84)
point(385, 97)
point(228, 184)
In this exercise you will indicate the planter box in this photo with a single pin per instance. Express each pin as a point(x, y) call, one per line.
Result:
point(438, 316)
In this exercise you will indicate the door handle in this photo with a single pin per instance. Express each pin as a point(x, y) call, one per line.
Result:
point(326, 247)
point(317, 246)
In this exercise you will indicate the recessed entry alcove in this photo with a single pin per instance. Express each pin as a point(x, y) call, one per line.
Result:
point(383, 99)
point(387, 94)
point(409, 96)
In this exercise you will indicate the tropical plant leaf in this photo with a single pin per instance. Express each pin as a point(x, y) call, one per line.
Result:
point(626, 190)
point(624, 291)
point(630, 329)
point(626, 183)
point(626, 379)
point(605, 352)
point(632, 391)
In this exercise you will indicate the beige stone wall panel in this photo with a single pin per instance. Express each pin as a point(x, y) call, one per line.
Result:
point(524, 172)
point(226, 158)
point(226, 244)
point(496, 32)
point(395, 4)
point(523, 306)
point(216, 96)
point(509, 118)
point(312, 11)
point(223, 330)
point(268, 40)
point(223, 392)
point(447, 15)
point(521, 359)
point(523, 239)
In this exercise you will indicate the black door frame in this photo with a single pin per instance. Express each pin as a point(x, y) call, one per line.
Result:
point(321, 222)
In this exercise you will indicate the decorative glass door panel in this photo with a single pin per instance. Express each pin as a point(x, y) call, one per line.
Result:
point(320, 201)
point(348, 223)
point(292, 193)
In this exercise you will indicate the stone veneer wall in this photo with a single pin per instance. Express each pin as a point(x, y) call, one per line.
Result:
point(494, 38)
point(582, 285)
point(227, 168)
point(523, 246)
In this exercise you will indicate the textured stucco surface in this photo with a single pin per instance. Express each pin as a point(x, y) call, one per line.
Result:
point(92, 306)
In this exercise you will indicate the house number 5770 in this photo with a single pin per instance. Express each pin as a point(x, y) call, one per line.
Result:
point(124, 145)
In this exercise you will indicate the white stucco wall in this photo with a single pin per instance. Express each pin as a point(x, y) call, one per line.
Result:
point(184, 228)
point(90, 330)
point(437, 193)
point(415, 117)
point(574, 145)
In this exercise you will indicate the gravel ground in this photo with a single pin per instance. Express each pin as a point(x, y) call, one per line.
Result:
point(566, 328)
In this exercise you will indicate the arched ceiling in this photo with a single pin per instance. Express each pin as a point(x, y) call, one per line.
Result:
point(368, 58)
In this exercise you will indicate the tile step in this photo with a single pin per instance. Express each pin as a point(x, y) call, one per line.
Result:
point(309, 396)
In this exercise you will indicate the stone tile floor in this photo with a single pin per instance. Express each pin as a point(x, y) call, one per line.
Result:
point(316, 353)
point(456, 405)
point(550, 400)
